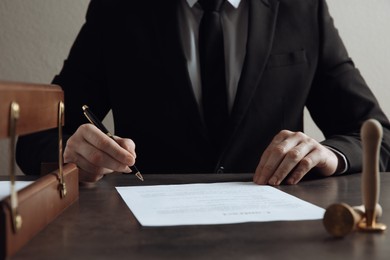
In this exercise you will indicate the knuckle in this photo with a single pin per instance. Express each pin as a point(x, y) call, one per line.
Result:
point(132, 160)
point(282, 171)
point(279, 150)
point(285, 132)
point(102, 142)
point(265, 154)
point(311, 142)
point(71, 143)
point(68, 157)
point(294, 155)
point(83, 128)
point(306, 163)
point(268, 168)
point(299, 136)
point(95, 157)
point(299, 173)
point(131, 143)
point(305, 139)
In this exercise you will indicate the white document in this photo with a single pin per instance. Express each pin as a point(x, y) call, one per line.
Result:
point(215, 203)
point(5, 187)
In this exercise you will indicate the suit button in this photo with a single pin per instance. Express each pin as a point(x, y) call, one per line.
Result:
point(221, 169)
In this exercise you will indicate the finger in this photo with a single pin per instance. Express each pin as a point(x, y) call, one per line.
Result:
point(91, 171)
point(305, 165)
point(82, 162)
point(128, 145)
point(273, 156)
point(102, 142)
point(292, 163)
point(101, 159)
point(265, 168)
point(81, 152)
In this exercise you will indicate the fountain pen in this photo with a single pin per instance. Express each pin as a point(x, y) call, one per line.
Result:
point(96, 122)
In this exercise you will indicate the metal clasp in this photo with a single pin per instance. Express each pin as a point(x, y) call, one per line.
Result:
point(62, 185)
point(13, 118)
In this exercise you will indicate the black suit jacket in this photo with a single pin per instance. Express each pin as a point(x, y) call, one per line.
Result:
point(128, 57)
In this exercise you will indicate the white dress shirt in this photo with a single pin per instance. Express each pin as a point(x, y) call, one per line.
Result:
point(234, 15)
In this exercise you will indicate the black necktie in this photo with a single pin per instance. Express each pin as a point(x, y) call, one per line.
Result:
point(212, 65)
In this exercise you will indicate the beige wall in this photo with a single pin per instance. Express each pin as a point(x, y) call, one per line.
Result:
point(365, 28)
point(35, 37)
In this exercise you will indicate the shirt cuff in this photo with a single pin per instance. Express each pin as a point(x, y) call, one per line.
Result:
point(342, 156)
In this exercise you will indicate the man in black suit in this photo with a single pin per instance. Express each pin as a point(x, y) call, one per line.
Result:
point(141, 59)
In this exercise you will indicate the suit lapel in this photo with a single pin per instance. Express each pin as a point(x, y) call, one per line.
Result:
point(175, 64)
point(261, 27)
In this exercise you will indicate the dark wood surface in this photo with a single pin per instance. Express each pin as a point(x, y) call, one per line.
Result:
point(100, 226)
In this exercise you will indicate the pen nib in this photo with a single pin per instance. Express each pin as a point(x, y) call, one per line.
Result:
point(139, 176)
point(136, 172)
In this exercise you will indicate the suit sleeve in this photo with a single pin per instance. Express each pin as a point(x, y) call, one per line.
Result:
point(340, 100)
point(83, 81)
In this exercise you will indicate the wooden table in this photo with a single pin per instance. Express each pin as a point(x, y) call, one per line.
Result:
point(100, 226)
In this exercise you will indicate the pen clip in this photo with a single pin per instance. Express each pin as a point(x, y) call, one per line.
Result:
point(94, 120)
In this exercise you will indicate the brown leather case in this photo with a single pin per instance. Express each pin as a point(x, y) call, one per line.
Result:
point(38, 106)
point(40, 202)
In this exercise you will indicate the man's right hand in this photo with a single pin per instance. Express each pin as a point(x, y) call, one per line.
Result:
point(96, 154)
